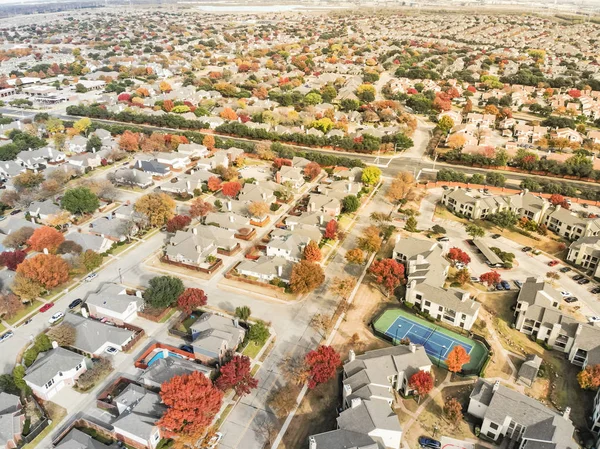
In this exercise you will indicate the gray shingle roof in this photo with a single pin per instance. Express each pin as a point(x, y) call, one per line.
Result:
point(92, 334)
point(49, 363)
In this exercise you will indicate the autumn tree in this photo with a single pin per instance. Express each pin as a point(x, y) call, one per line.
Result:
point(371, 175)
point(312, 252)
point(231, 189)
point(191, 299)
point(46, 269)
point(82, 125)
point(388, 273)
point(228, 114)
point(213, 183)
point(90, 260)
point(312, 170)
point(27, 180)
point(27, 289)
point(457, 358)
point(209, 141)
point(475, 231)
point(200, 209)
point(158, 207)
point(370, 240)
point(80, 200)
point(456, 141)
point(258, 209)
point(236, 374)
point(306, 276)
point(165, 87)
point(12, 259)
point(457, 255)
point(45, 237)
point(192, 402)
point(283, 400)
point(63, 334)
point(355, 256)
point(589, 378)
point(421, 382)
point(322, 364)
point(453, 410)
point(10, 305)
point(445, 124)
point(557, 199)
point(178, 223)
point(402, 188)
point(343, 286)
point(490, 278)
point(331, 230)
point(129, 141)
point(462, 276)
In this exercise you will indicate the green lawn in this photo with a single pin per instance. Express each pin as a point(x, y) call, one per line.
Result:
point(168, 315)
point(23, 313)
point(252, 349)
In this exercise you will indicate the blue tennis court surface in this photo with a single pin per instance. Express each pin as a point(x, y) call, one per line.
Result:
point(436, 343)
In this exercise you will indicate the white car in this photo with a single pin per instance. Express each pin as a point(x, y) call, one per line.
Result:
point(6, 336)
point(212, 443)
point(91, 277)
point(566, 294)
point(56, 317)
point(111, 350)
point(594, 319)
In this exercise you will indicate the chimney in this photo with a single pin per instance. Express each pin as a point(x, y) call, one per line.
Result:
point(351, 355)
point(231, 219)
point(567, 413)
point(195, 231)
point(465, 296)
point(349, 187)
point(558, 206)
point(229, 205)
point(355, 402)
point(188, 185)
point(277, 177)
point(279, 270)
point(264, 196)
point(236, 322)
point(579, 329)
point(45, 250)
point(312, 206)
point(292, 227)
point(84, 312)
point(496, 386)
point(320, 219)
point(54, 344)
point(412, 347)
point(312, 443)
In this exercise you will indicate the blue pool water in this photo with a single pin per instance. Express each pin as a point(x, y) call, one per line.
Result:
point(161, 355)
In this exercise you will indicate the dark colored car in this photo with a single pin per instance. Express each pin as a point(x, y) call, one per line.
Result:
point(565, 269)
point(505, 284)
point(595, 290)
point(499, 286)
point(526, 249)
point(429, 443)
point(186, 348)
point(583, 281)
point(571, 299)
point(46, 307)
point(578, 277)
point(75, 303)
point(15, 211)
point(496, 236)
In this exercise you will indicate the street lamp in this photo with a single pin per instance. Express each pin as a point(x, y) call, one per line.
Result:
point(440, 356)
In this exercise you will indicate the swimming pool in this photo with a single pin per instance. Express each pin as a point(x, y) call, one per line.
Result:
point(161, 354)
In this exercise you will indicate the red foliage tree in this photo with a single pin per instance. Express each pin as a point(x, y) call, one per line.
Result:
point(458, 255)
point(231, 189)
point(557, 199)
point(236, 374)
point(389, 273)
point(192, 402)
point(11, 259)
point(124, 97)
point(331, 230)
point(575, 93)
point(490, 278)
point(178, 222)
point(213, 183)
point(200, 208)
point(191, 299)
point(457, 358)
point(322, 364)
point(312, 170)
point(442, 102)
point(45, 237)
point(280, 162)
point(421, 382)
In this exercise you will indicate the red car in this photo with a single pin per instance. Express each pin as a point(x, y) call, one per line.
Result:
point(553, 263)
point(46, 307)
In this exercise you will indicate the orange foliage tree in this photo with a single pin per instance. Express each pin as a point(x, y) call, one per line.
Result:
point(228, 114)
point(129, 141)
point(46, 269)
point(457, 358)
point(45, 237)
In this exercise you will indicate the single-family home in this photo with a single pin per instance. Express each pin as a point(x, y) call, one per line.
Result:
point(93, 336)
point(43, 209)
point(78, 144)
point(129, 177)
point(115, 303)
point(293, 175)
point(213, 336)
point(267, 269)
point(153, 167)
point(164, 369)
point(12, 419)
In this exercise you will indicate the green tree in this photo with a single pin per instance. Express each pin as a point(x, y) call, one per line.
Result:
point(243, 313)
point(350, 204)
point(163, 291)
point(371, 176)
point(475, 231)
point(445, 124)
point(80, 200)
point(93, 144)
point(259, 333)
point(18, 375)
point(91, 260)
point(504, 219)
point(313, 98)
point(411, 224)
point(495, 179)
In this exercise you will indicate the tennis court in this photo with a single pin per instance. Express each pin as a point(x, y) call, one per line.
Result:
point(436, 344)
point(396, 324)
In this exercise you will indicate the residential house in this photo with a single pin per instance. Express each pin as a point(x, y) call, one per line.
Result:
point(96, 243)
point(568, 133)
point(228, 220)
point(78, 144)
point(86, 161)
point(93, 337)
point(53, 370)
point(154, 168)
point(193, 150)
point(519, 418)
point(164, 369)
point(114, 303)
point(290, 244)
point(115, 229)
point(426, 271)
point(175, 160)
point(293, 175)
point(12, 419)
point(191, 248)
point(267, 269)
point(9, 169)
point(585, 253)
point(45, 155)
point(262, 191)
point(43, 209)
point(328, 205)
point(214, 336)
point(139, 410)
point(368, 385)
point(129, 177)
point(76, 439)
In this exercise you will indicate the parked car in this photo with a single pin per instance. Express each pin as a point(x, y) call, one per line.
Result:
point(443, 239)
point(90, 277)
point(583, 281)
point(519, 284)
point(429, 443)
point(595, 290)
point(15, 211)
point(27, 321)
point(526, 249)
point(186, 348)
point(505, 284)
point(496, 236)
point(111, 350)
point(47, 306)
point(499, 286)
point(6, 336)
point(571, 299)
point(474, 279)
point(577, 277)
point(75, 303)
point(594, 319)
point(565, 293)
point(565, 269)
point(214, 441)
point(2, 217)
point(56, 317)
point(553, 263)
point(445, 187)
